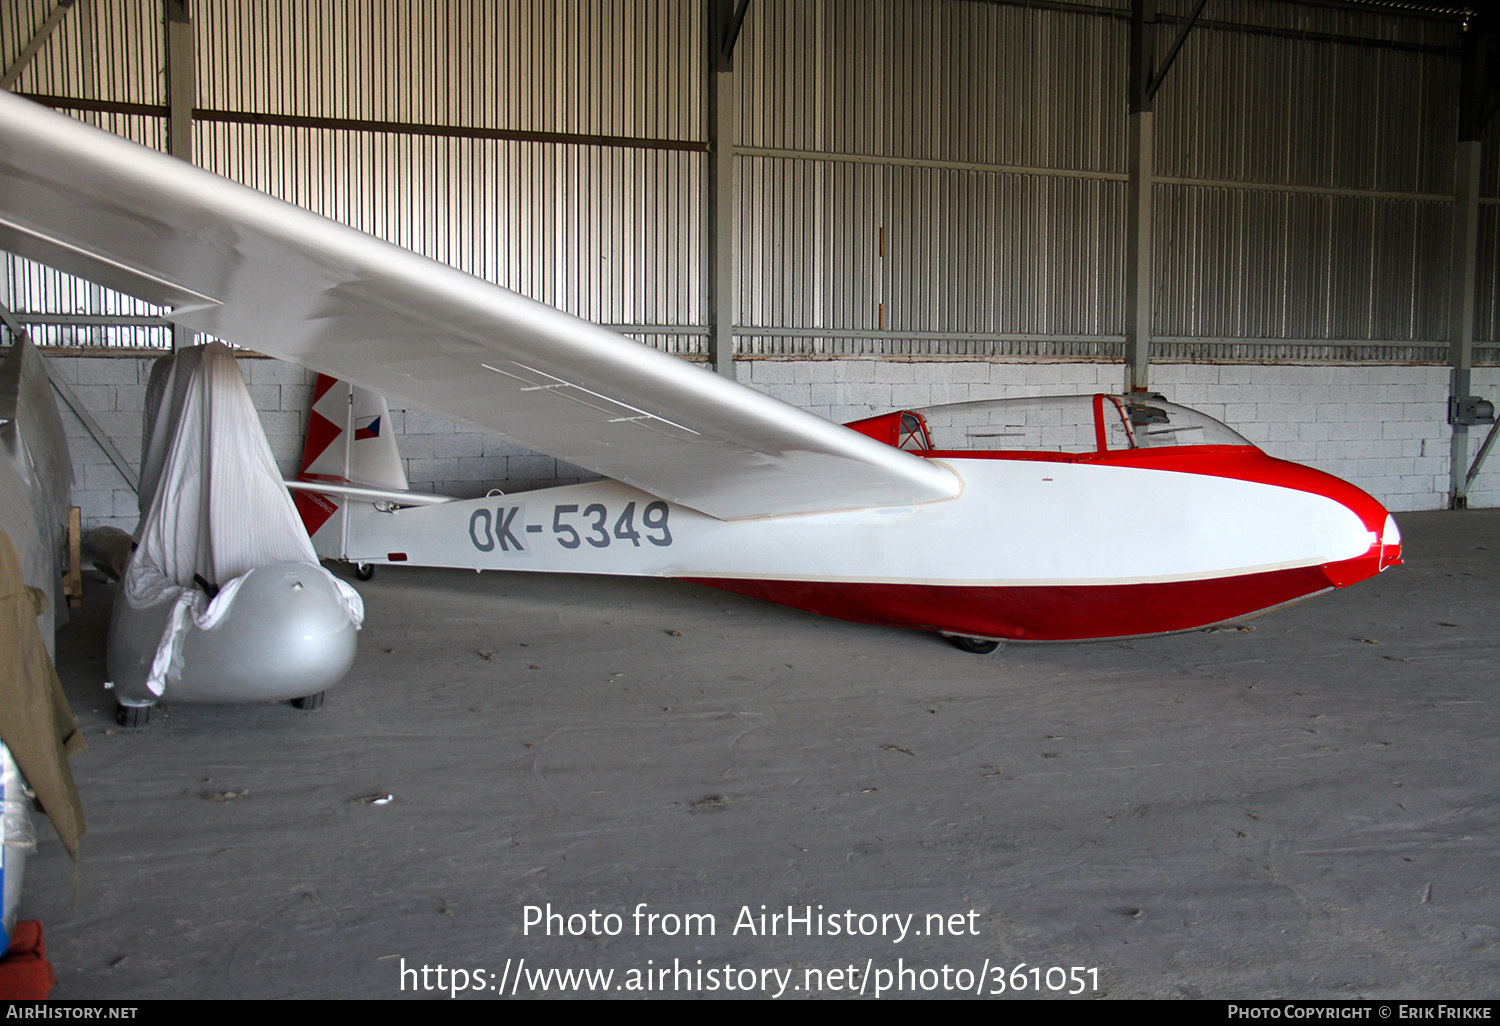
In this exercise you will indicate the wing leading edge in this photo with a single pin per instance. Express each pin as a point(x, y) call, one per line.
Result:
point(249, 268)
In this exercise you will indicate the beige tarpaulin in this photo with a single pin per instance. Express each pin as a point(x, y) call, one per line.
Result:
point(36, 480)
point(35, 721)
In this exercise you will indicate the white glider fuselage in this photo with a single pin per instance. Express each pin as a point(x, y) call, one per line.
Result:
point(1036, 546)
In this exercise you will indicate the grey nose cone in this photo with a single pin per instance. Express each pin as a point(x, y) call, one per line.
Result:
point(286, 633)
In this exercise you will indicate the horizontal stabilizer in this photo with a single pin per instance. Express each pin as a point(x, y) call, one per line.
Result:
point(349, 491)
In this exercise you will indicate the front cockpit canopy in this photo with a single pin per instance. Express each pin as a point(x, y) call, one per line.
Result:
point(1065, 424)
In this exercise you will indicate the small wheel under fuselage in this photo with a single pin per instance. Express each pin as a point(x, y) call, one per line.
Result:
point(978, 646)
point(133, 716)
point(309, 702)
point(364, 571)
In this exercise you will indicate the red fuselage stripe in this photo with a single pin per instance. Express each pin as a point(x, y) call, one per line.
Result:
point(1042, 613)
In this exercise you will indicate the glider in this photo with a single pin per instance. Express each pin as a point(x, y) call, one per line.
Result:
point(1081, 518)
point(972, 521)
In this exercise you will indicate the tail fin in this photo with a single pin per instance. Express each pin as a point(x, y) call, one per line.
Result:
point(349, 438)
point(349, 441)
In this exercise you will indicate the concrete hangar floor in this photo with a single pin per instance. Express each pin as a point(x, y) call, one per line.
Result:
point(1310, 808)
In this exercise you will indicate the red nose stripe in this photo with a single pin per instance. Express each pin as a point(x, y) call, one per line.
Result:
point(1044, 613)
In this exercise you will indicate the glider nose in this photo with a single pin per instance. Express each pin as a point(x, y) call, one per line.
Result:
point(1384, 543)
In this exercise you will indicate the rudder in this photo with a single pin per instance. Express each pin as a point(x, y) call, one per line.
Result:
point(349, 441)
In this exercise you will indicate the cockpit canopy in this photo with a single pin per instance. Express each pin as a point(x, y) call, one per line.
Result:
point(1080, 424)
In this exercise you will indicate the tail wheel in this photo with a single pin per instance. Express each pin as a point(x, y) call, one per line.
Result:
point(364, 571)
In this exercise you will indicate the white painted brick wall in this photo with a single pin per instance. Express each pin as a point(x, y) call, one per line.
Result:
point(1382, 428)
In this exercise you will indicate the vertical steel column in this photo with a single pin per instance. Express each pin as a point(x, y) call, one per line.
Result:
point(182, 95)
point(1461, 313)
point(1464, 254)
point(1138, 228)
point(719, 213)
point(182, 78)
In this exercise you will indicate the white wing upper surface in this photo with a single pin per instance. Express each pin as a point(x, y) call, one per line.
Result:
point(249, 268)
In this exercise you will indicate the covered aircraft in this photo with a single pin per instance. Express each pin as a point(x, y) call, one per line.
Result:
point(221, 596)
point(1146, 518)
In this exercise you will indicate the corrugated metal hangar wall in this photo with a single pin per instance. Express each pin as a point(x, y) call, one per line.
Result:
point(931, 195)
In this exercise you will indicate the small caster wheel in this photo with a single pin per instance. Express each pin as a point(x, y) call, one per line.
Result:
point(132, 716)
point(978, 646)
point(308, 702)
point(364, 571)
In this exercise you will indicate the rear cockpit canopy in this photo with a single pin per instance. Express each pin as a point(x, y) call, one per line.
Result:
point(1076, 424)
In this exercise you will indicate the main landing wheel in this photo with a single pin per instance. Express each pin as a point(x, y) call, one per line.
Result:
point(978, 646)
point(308, 702)
point(132, 716)
point(364, 571)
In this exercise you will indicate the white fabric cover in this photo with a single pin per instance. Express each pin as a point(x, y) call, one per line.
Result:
point(212, 500)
